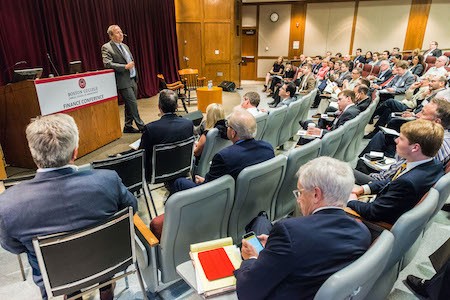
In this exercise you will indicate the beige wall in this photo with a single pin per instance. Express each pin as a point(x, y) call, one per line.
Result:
point(264, 66)
point(381, 25)
point(438, 24)
point(328, 27)
point(249, 16)
point(273, 38)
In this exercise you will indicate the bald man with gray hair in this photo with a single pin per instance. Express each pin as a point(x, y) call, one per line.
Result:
point(245, 151)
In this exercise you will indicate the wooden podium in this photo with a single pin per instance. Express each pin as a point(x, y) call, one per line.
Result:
point(98, 122)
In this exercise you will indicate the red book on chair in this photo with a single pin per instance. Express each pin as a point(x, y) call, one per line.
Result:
point(216, 264)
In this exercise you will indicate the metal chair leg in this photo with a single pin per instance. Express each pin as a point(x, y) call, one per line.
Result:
point(22, 271)
point(141, 282)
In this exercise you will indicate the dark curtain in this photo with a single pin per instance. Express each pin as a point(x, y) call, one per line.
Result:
point(76, 29)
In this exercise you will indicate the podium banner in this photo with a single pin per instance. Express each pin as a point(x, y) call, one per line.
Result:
point(71, 92)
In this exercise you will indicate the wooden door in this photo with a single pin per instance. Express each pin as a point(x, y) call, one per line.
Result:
point(249, 51)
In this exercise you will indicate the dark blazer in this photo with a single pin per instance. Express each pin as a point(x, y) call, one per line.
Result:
point(342, 77)
point(400, 195)
point(363, 105)
point(382, 78)
point(57, 201)
point(170, 128)
point(359, 59)
point(435, 52)
point(233, 159)
point(300, 254)
point(417, 70)
point(114, 59)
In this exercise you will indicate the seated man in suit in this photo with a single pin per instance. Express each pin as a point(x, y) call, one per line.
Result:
point(59, 198)
point(169, 129)
point(433, 50)
point(301, 253)
point(401, 82)
point(385, 74)
point(362, 99)
point(245, 151)
point(418, 143)
point(286, 95)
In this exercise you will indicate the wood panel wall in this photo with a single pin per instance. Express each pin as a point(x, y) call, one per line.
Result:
point(297, 33)
point(208, 34)
point(417, 24)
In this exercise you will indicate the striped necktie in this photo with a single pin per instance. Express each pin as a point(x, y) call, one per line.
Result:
point(402, 168)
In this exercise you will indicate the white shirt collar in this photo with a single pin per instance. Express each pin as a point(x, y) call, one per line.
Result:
point(43, 170)
point(325, 207)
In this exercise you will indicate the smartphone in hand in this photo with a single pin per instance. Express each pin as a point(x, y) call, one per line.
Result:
point(253, 240)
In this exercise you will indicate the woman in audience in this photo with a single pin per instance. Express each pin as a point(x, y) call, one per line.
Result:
point(323, 70)
point(288, 76)
point(368, 57)
point(415, 52)
point(215, 118)
point(277, 69)
point(375, 59)
point(417, 66)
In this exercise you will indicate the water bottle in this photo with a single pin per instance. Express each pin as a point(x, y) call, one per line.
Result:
point(210, 84)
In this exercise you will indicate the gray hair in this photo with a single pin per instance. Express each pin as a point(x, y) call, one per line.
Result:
point(384, 62)
point(253, 97)
point(334, 178)
point(110, 29)
point(243, 122)
point(52, 140)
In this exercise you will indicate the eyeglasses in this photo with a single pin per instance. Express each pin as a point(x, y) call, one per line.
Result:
point(297, 193)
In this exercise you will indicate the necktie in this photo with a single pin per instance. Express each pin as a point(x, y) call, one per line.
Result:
point(402, 168)
point(128, 59)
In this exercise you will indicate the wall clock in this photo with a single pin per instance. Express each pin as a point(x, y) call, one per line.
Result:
point(274, 17)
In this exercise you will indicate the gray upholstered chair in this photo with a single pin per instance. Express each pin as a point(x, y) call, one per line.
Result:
point(331, 142)
point(286, 129)
point(256, 189)
point(355, 281)
point(304, 106)
point(213, 144)
point(406, 231)
point(310, 97)
point(285, 201)
point(261, 123)
point(274, 123)
point(350, 129)
point(191, 216)
point(443, 187)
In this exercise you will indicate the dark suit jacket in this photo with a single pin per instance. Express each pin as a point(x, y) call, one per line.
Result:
point(300, 254)
point(382, 78)
point(347, 115)
point(114, 59)
point(342, 77)
point(233, 159)
point(405, 82)
point(359, 59)
point(435, 52)
point(417, 70)
point(58, 201)
point(170, 128)
point(400, 195)
point(363, 105)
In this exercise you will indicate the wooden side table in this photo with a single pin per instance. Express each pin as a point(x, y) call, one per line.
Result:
point(207, 96)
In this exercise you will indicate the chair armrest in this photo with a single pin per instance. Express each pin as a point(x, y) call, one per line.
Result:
point(145, 231)
point(353, 213)
point(175, 86)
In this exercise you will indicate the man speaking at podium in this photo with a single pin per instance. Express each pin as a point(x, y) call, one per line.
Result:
point(116, 55)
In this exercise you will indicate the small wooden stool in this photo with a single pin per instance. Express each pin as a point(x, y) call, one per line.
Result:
point(206, 96)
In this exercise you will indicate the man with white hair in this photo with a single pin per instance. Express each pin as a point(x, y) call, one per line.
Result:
point(383, 76)
point(301, 253)
point(245, 151)
point(439, 67)
point(59, 198)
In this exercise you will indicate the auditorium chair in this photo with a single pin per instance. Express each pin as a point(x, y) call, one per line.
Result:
point(261, 123)
point(286, 129)
point(306, 102)
point(443, 187)
point(355, 281)
point(406, 230)
point(274, 125)
point(130, 168)
point(286, 203)
point(176, 86)
point(366, 70)
point(331, 142)
point(375, 71)
point(90, 258)
point(191, 81)
point(447, 53)
point(430, 60)
point(256, 190)
point(191, 216)
point(310, 96)
point(349, 135)
point(213, 144)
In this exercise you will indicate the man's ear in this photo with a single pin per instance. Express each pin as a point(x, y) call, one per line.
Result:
point(318, 195)
point(74, 155)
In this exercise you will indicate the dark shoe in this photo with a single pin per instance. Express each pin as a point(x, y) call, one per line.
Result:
point(417, 285)
point(265, 88)
point(316, 115)
point(130, 130)
point(270, 103)
point(446, 207)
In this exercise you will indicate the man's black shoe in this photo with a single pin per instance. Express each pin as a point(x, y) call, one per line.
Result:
point(417, 285)
point(130, 130)
point(446, 207)
point(369, 135)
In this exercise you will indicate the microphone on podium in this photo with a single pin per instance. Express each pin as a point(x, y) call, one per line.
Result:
point(51, 63)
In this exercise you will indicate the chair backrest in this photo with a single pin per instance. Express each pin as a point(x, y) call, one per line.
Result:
point(355, 281)
point(348, 136)
point(375, 71)
point(189, 78)
point(443, 187)
point(172, 160)
point(285, 201)
point(367, 68)
point(129, 167)
point(305, 109)
point(261, 123)
point(256, 189)
point(430, 59)
point(92, 255)
point(286, 129)
point(331, 142)
point(274, 123)
point(192, 216)
point(213, 144)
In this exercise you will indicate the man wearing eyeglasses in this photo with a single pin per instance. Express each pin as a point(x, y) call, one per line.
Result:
point(301, 253)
